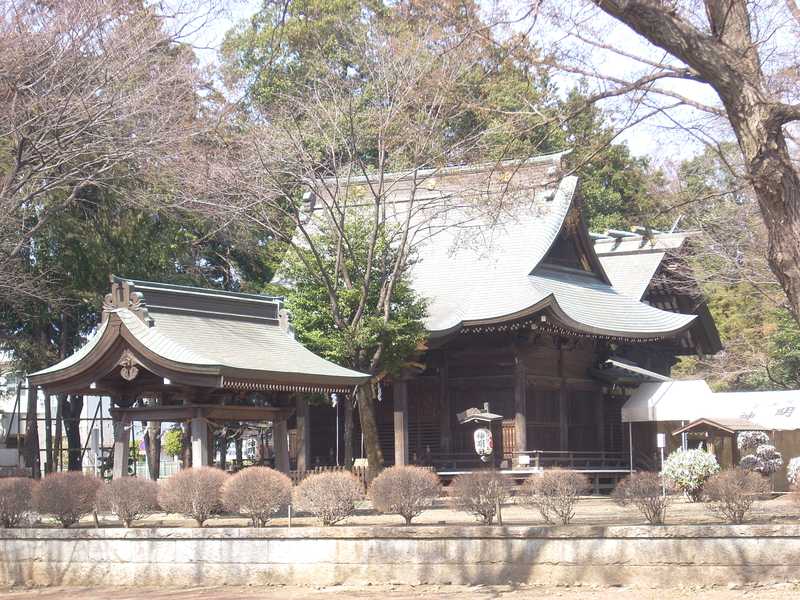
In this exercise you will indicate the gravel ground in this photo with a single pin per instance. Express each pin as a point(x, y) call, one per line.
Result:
point(784, 591)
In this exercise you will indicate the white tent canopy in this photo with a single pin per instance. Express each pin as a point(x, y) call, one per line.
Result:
point(690, 400)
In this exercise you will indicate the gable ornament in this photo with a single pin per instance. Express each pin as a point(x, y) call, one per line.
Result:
point(121, 297)
point(129, 366)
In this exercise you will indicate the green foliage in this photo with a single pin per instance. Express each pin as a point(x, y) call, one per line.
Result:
point(618, 189)
point(783, 350)
point(761, 340)
point(505, 104)
point(286, 44)
point(101, 235)
point(172, 442)
point(354, 344)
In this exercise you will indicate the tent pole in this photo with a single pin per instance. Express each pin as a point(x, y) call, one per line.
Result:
point(630, 444)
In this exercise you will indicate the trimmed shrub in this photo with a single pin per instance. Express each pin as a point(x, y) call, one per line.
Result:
point(404, 491)
point(732, 492)
point(555, 493)
point(195, 493)
point(66, 496)
point(765, 460)
point(330, 497)
point(258, 492)
point(16, 494)
point(748, 441)
point(689, 469)
point(128, 499)
point(480, 493)
point(645, 491)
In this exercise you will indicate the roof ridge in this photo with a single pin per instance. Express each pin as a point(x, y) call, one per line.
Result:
point(141, 284)
point(554, 157)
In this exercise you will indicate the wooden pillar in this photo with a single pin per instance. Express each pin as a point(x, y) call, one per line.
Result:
point(601, 422)
point(303, 430)
point(563, 416)
point(520, 405)
point(446, 416)
point(122, 446)
point(199, 441)
point(348, 430)
point(280, 444)
point(400, 398)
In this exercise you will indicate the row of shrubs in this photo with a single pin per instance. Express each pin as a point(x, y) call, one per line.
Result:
point(256, 492)
point(259, 493)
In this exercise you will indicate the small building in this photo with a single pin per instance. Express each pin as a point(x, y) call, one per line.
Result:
point(550, 326)
point(680, 408)
point(547, 327)
point(205, 357)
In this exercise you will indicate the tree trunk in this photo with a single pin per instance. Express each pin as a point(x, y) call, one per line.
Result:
point(369, 427)
point(728, 60)
point(223, 449)
point(152, 446)
point(777, 189)
point(71, 408)
point(239, 453)
point(32, 457)
point(348, 431)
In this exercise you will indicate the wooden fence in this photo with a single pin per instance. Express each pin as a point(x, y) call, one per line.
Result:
point(359, 472)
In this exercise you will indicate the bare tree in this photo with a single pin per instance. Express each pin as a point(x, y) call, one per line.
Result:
point(743, 53)
point(319, 162)
point(92, 93)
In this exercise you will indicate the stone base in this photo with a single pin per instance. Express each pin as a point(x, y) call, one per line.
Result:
point(625, 555)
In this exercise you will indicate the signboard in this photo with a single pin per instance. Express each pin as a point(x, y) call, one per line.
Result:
point(661, 440)
point(484, 444)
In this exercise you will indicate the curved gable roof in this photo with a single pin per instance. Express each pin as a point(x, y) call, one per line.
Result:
point(480, 235)
point(231, 339)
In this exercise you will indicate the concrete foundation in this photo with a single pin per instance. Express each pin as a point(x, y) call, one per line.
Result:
point(624, 555)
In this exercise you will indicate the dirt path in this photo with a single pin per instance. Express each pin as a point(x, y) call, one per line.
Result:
point(784, 591)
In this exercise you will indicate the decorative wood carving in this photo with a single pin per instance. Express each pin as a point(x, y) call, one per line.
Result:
point(129, 368)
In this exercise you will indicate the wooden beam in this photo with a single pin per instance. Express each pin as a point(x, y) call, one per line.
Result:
point(400, 397)
point(213, 412)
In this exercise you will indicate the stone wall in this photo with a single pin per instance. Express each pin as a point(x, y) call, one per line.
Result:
point(625, 555)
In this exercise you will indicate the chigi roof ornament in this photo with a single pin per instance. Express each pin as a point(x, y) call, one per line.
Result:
point(121, 297)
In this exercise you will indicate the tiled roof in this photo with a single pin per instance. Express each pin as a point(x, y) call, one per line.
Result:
point(632, 262)
point(479, 235)
point(237, 335)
